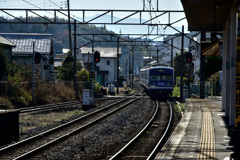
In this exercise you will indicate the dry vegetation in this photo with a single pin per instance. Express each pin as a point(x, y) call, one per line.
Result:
point(47, 93)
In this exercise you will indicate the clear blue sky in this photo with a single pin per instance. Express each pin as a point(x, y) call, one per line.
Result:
point(103, 4)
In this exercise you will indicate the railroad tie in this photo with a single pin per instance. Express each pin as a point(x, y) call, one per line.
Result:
point(207, 143)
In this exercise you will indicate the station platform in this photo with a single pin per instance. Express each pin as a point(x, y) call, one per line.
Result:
point(201, 134)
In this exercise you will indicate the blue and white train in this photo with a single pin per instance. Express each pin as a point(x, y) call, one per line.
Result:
point(158, 80)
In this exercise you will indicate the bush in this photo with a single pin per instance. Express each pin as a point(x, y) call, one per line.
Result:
point(47, 93)
point(96, 88)
point(176, 91)
point(83, 75)
point(18, 90)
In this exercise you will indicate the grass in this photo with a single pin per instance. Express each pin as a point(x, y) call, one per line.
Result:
point(180, 107)
point(5, 103)
point(32, 121)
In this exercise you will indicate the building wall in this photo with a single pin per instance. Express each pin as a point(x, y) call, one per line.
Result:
point(111, 68)
point(177, 42)
point(103, 66)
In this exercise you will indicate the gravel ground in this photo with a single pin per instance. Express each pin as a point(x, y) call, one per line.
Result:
point(106, 137)
point(36, 129)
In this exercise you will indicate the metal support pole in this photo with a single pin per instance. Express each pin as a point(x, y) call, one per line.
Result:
point(202, 69)
point(92, 71)
point(33, 74)
point(129, 65)
point(172, 52)
point(189, 80)
point(75, 61)
point(157, 54)
point(69, 27)
point(132, 65)
point(117, 65)
point(149, 60)
point(181, 85)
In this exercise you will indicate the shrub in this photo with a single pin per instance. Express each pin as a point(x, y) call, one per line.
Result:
point(83, 75)
point(18, 90)
point(47, 93)
point(176, 91)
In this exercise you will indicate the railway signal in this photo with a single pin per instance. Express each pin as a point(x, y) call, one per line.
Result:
point(96, 57)
point(37, 58)
point(189, 57)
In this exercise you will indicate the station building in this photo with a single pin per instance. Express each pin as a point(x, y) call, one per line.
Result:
point(219, 17)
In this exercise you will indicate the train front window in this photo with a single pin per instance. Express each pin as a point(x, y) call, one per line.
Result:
point(162, 77)
point(166, 77)
point(155, 78)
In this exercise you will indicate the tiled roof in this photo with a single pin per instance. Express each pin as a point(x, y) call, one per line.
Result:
point(104, 51)
point(24, 42)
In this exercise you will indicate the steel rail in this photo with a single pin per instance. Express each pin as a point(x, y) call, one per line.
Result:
point(152, 155)
point(119, 153)
point(47, 107)
point(36, 137)
point(24, 156)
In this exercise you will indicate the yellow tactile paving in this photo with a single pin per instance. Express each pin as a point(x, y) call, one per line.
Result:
point(207, 143)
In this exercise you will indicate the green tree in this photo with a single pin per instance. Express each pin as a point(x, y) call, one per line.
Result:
point(177, 65)
point(83, 75)
point(213, 65)
point(67, 70)
point(18, 88)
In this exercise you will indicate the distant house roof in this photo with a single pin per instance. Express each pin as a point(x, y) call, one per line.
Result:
point(6, 42)
point(104, 51)
point(24, 42)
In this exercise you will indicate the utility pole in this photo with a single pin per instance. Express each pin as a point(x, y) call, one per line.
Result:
point(129, 66)
point(202, 69)
point(75, 61)
point(149, 60)
point(132, 66)
point(92, 71)
point(172, 52)
point(181, 85)
point(33, 74)
point(69, 28)
point(117, 65)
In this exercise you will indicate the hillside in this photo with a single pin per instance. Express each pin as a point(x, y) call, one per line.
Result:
point(60, 33)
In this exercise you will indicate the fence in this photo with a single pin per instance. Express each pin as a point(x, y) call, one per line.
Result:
point(210, 90)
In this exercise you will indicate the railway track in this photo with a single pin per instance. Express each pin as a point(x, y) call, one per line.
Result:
point(148, 140)
point(35, 144)
point(49, 107)
point(69, 104)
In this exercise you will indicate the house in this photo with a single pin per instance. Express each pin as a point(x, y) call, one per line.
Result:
point(7, 46)
point(176, 42)
point(23, 52)
point(106, 69)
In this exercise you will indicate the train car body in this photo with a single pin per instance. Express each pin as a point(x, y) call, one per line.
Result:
point(158, 80)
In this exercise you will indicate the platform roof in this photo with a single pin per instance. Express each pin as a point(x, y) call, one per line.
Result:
point(200, 14)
